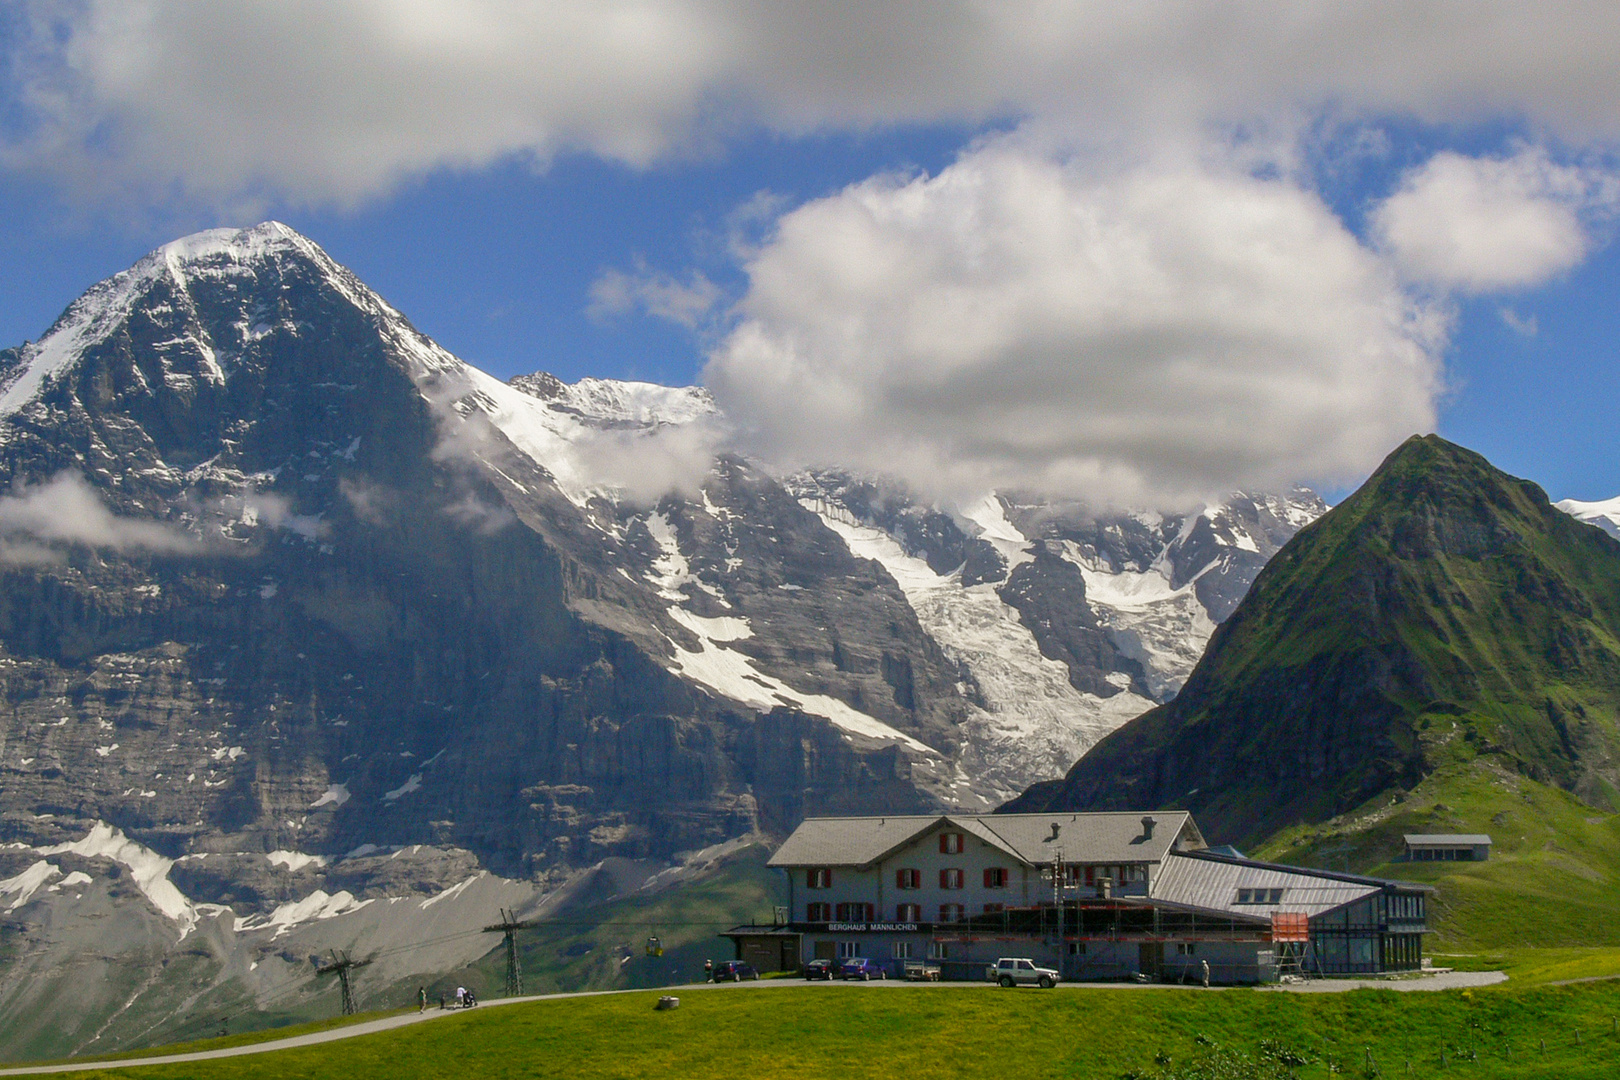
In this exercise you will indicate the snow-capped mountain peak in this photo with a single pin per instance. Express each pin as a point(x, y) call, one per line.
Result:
point(1605, 515)
point(613, 403)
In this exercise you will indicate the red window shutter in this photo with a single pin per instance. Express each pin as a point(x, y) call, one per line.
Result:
point(987, 876)
point(871, 913)
point(944, 879)
point(944, 843)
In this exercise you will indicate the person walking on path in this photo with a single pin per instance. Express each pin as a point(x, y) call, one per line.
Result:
point(421, 999)
point(1204, 964)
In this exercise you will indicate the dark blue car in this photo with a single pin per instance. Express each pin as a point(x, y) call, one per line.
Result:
point(859, 967)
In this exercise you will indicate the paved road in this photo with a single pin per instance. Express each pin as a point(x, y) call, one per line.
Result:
point(1448, 981)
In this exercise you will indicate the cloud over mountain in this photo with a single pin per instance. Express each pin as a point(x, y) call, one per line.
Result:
point(1149, 335)
point(1132, 288)
point(341, 100)
point(36, 520)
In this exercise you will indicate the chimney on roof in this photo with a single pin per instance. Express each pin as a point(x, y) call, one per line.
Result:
point(1147, 826)
point(1054, 836)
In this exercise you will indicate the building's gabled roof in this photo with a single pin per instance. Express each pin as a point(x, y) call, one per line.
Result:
point(1028, 838)
point(1448, 839)
point(1211, 884)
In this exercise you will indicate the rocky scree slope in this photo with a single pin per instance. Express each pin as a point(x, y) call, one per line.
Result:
point(1445, 612)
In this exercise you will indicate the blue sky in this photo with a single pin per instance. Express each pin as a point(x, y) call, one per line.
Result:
point(922, 241)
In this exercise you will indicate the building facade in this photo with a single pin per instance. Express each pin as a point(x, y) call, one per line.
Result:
point(1447, 847)
point(1097, 896)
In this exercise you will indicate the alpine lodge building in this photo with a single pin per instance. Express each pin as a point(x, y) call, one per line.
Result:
point(1096, 896)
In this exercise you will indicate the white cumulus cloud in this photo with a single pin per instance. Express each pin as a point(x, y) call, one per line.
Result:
point(686, 303)
point(342, 100)
point(35, 520)
point(1480, 224)
point(1142, 336)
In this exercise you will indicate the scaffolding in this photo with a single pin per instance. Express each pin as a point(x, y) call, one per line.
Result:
point(1291, 934)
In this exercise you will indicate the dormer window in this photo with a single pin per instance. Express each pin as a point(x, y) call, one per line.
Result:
point(1260, 896)
point(818, 877)
point(950, 843)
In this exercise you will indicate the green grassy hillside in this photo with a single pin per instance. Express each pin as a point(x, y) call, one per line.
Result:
point(974, 1032)
point(1553, 879)
point(1444, 614)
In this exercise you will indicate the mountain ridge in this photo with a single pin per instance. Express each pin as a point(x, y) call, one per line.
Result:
point(335, 638)
point(1421, 620)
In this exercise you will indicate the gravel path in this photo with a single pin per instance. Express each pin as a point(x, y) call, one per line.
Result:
point(1450, 980)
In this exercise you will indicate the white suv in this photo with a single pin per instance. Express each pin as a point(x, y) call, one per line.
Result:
point(1011, 971)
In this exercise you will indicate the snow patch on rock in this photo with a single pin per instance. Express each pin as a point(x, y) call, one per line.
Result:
point(335, 795)
point(317, 905)
point(27, 883)
point(413, 784)
point(295, 861)
point(734, 675)
point(149, 869)
point(453, 891)
point(1035, 723)
point(1165, 629)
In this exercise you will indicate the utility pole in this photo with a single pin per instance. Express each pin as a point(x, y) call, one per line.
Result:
point(342, 965)
point(509, 925)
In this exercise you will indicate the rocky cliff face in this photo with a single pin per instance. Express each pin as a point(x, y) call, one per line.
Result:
point(306, 613)
point(1065, 622)
point(1444, 612)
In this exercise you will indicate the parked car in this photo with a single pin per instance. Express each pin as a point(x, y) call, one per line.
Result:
point(819, 969)
point(734, 971)
point(1021, 971)
point(859, 967)
point(919, 971)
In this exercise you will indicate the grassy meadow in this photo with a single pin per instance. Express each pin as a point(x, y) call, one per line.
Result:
point(1552, 881)
point(970, 1031)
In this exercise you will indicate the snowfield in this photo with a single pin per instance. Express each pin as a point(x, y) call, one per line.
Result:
point(1034, 724)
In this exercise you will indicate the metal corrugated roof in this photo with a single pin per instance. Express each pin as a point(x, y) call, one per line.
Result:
point(1455, 839)
point(1212, 885)
point(1083, 838)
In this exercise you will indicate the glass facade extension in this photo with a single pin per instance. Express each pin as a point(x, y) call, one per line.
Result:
point(1381, 933)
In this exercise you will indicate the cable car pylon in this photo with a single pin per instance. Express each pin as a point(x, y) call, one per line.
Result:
point(342, 965)
point(509, 925)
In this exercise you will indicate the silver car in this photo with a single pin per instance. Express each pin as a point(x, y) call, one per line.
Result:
point(1018, 970)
